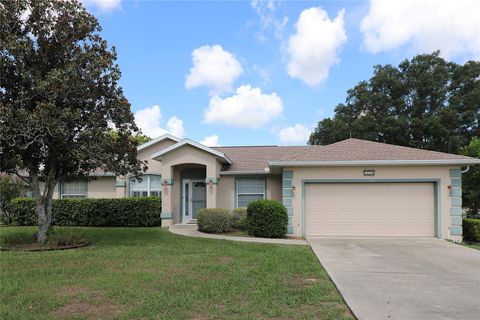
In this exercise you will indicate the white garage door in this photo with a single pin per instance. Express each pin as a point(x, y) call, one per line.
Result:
point(369, 209)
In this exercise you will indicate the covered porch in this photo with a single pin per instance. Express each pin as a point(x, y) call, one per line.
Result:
point(190, 176)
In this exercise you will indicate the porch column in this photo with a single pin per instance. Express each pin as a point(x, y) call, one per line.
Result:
point(167, 197)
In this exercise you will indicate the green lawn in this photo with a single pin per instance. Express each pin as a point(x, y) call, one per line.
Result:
point(473, 245)
point(148, 273)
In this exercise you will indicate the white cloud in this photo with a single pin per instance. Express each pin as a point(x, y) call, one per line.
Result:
point(315, 46)
point(423, 25)
point(262, 73)
point(175, 127)
point(266, 10)
point(297, 134)
point(214, 68)
point(210, 141)
point(247, 108)
point(105, 5)
point(149, 120)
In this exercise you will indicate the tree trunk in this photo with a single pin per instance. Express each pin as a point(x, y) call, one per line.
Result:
point(44, 223)
point(43, 207)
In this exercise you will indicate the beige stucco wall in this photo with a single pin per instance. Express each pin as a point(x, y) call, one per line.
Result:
point(144, 155)
point(102, 187)
point(226, 195)
point(274, 187)
point(405, 172)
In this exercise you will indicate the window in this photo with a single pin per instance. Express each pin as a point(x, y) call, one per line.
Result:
point(248, 190)
point(150, 186)
point(73, 189)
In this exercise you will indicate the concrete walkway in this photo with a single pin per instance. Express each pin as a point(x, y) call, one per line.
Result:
point(191, 231)
point(403, 278)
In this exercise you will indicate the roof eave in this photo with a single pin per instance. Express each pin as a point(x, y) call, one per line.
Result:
point(102, 174)
point(152, 142)
point(337, 163)
point(246, 172)
point(220, 155)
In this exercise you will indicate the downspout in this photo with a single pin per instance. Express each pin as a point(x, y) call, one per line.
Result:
point(466, 170)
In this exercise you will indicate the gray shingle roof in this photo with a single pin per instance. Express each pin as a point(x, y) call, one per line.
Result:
point(256, 158)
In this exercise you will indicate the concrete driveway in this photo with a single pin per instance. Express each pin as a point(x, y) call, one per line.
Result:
point(403, 278)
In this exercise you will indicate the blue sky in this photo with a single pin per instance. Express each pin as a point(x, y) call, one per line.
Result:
point(265, 72)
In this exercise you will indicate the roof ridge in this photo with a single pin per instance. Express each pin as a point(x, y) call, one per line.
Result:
point(394, 145)
point(272, 145)
point(266, 146)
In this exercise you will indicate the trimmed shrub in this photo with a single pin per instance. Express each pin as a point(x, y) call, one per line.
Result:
point(238, 219)
point(471, 230)
point(10, 189)
point(213, 220)
point(124, 212)
point(267, 218)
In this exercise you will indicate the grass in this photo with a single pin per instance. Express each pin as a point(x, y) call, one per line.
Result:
point(473, 245)
point(59, 238)
point(236, 233)
point(148, 273)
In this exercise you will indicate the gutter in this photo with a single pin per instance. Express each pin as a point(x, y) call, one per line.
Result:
point(372, 163)
point(466, 169)
point(237, 173)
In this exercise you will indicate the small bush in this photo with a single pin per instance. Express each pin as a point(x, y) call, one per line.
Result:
point(471, 230)
point(10, 189)
point(267, 218)
point(123, 212)
point(238, 219)
point(213, 220)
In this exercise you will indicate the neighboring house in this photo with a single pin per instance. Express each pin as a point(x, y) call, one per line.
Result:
point(349, 188)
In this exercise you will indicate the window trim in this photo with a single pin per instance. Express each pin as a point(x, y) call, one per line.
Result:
point(73, 195)
point(149, 189)
point(264, 194)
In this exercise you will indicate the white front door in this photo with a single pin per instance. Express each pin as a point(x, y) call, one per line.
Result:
point(194, 198)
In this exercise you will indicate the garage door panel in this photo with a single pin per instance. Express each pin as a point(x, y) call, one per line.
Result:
point(370, 209)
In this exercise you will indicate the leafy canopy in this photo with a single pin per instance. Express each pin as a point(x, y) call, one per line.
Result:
point(59, 93)
point(471, 179)
point(425, 102)
point(59, 100)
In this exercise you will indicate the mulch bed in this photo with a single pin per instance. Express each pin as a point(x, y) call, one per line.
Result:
point(35, 247)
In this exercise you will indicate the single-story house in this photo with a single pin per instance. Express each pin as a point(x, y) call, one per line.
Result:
point(349, 188)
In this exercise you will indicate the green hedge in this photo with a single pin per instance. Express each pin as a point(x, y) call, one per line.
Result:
point(124, 212)
point(213, 220)
point(267, 218)
point(238, 219)
point(471, 230)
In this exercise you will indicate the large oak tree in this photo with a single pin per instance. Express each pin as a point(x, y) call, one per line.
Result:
point(59, 99)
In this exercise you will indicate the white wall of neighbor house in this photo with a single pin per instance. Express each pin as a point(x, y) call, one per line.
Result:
point(381, 172)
